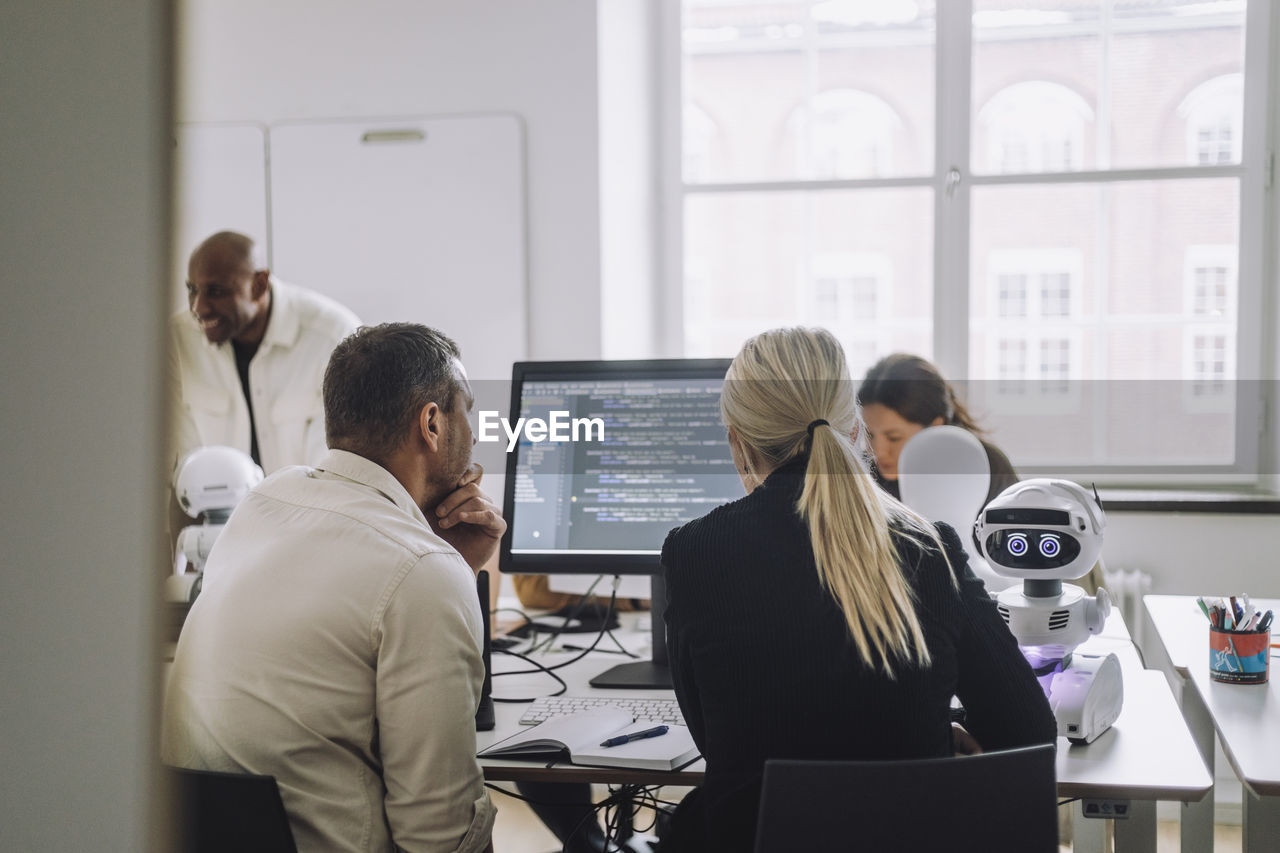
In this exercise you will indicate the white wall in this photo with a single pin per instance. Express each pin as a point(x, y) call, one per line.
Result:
point(84, 200)
point(1197, 553)
point(628, 178)
point(244, 60)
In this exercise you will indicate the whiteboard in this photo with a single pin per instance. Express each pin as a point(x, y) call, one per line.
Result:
point(418, 220)
point(220, 174)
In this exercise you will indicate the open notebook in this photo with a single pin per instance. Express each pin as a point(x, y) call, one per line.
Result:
point(577, 738)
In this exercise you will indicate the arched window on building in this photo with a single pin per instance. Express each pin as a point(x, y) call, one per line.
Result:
point(1034, 126)
point(843, 133)
point(1214, 114)
point(700, 135)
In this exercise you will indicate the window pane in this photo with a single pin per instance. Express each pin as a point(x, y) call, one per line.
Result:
point(851, 261)
point(803, 89)
point(1065, 85)
point(1128, 341)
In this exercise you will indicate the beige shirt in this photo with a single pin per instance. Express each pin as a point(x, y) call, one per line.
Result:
point(285, 378)
point(336, 646)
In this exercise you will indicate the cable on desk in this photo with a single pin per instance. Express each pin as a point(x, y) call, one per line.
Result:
point(613, 601)
point(573, 648)
point(537, 668)
point(621, 650)
point(516, 610)
point(1067, 802)
point(550, 670)
point(572, 614)
point(618, 643)
point(568, 616)
point(608, 614)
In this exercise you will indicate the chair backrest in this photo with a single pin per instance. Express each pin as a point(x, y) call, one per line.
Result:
point(944, 474)
point(993, 802)
point(222, 812)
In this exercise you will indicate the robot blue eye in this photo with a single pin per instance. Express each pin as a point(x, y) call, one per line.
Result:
point(1017, 544)
point(1050, 546)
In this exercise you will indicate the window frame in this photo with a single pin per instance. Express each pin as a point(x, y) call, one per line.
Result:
point(952, 180)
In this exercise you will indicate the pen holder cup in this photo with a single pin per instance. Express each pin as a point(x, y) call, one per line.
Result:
point(1239, 658)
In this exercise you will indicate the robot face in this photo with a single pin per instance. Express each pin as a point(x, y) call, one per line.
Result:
point(1043, 529)
point(1031, 549)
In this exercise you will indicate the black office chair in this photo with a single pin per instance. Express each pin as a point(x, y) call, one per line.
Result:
point(993, 802)
point(224, 812)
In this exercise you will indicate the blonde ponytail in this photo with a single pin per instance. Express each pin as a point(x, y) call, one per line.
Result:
point(788, 391)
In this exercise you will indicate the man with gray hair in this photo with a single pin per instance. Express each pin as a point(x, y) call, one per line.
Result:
point(337, 643)
point(247, 358)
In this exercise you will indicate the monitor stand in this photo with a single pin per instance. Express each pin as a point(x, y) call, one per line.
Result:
point(645, 674)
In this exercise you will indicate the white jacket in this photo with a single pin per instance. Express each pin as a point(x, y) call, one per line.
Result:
point(285, 378)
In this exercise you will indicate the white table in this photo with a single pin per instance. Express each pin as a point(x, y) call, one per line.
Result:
point(1246, 718)
point(576, 677)
point(1148, 755)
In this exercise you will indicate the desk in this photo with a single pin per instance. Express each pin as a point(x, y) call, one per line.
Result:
point(1246, 718)
point(576, 677)
point(1148, 755)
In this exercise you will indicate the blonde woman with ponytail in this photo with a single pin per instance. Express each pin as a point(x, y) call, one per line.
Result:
point(818, 617)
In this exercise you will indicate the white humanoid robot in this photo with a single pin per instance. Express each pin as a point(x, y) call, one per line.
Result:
point(1044, 531)
point(209, 483)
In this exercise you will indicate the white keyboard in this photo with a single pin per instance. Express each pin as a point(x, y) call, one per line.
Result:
point(659, 710)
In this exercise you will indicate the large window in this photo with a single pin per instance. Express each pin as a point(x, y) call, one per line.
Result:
point(1056, 200)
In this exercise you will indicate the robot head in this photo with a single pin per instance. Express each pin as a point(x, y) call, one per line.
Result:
point(212, 480)
point(1048, 529)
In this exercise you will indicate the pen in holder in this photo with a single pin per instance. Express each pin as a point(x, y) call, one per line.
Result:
point(1239, 657)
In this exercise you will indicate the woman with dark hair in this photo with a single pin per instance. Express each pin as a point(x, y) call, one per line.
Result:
point(901, 395)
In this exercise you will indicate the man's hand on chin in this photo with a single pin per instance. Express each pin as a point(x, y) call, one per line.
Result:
point(468, 520)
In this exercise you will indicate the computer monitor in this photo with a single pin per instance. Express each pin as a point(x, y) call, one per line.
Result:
point(646, 452)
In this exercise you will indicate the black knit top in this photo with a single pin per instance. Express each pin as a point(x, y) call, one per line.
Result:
point(764, 666)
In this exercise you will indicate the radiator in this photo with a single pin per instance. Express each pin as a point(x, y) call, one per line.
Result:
point(1126, 587)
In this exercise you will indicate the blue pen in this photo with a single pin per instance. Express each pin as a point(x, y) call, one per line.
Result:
point(621, 739)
